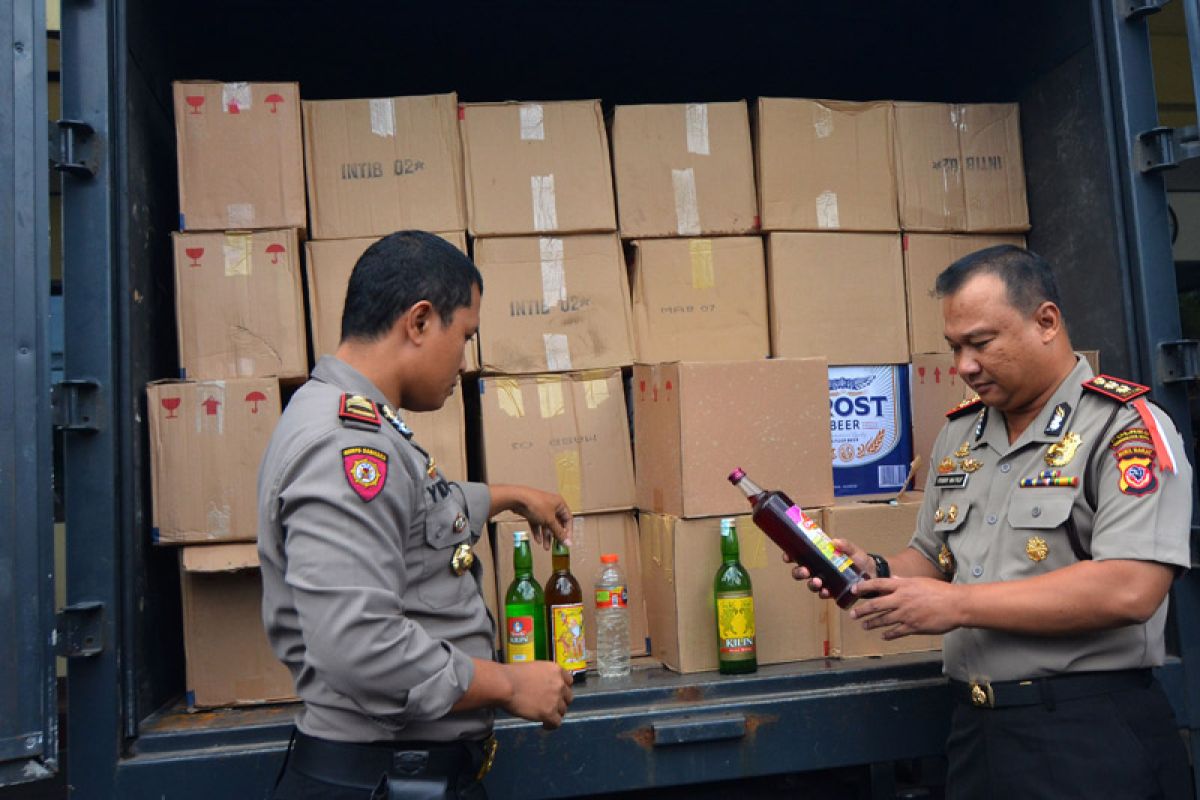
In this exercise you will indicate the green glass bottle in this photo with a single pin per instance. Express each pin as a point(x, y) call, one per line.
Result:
point(736, 652)
point(524, 608)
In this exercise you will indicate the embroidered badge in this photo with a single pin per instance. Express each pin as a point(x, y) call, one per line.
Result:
point(366, 471)
point(1136, 468)
point(356, 408)
point(1130, 436)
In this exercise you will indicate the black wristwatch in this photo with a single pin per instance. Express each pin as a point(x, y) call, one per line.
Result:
point(882, 568)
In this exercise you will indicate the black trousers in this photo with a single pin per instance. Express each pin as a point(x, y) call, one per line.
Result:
point(1124, 745)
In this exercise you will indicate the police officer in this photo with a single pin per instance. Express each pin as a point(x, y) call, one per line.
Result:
point(371, 594)
point(1056, 516)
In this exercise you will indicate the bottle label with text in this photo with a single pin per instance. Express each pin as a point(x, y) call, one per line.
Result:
point(567, 630)
point(735, 626)
point(840, 561)
point(520, 639)
point(615, 597)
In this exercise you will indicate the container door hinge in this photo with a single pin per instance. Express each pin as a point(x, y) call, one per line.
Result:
point(76, 405)
point(80, 630)
point(1179, 360)
point(1164, 148)
point(74, 142)
point(1136, 9)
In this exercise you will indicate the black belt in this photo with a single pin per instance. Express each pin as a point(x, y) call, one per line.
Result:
point(1047, 691)
point(361, 765)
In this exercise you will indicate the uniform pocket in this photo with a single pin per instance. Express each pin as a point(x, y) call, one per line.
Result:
point(1039, 509)
point(954, 516)
point(440, 587)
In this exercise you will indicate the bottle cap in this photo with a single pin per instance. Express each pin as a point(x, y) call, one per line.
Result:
point(728, 524)
point(737, 474)
point(609, 558)
point(520, 536)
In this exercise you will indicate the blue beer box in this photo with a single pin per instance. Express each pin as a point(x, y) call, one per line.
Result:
point(870, 423)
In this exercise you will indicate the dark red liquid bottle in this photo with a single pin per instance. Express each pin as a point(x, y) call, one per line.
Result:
point(802, 539)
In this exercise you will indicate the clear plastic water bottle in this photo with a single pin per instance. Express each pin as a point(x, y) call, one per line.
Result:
point(612, 620)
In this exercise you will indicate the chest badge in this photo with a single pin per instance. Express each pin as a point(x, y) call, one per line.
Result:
point(946, 465)
point(431, 470)
point(970, 465)
point(945, 560)
point(463, 558)
point(939, 515)
point(1037, 549)
point(952, 514)
point(963, 450)
point(1061, 452)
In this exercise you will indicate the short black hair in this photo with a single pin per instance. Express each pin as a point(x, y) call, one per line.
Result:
point(397, 272)
point(1027, 277)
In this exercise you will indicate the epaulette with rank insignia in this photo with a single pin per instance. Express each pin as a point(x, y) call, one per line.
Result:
point(1116, 389)
point(356, 411)
point(965, 407)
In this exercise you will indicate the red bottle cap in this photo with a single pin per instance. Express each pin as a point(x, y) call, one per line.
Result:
point(609, 558)
point(737, 474)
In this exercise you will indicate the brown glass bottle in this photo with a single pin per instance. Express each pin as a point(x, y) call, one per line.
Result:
point(801, 538)
point(564, 615)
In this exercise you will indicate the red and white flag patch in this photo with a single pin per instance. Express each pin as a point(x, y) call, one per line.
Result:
point(366, 470)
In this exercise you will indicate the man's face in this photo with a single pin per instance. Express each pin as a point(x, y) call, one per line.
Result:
point(443, 357)
point(997, 349)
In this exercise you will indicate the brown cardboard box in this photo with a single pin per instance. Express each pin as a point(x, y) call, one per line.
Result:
point(553, 304)
point(700, 299)
point(537, 168)
point(882, 528)
point(566, 433)
point(329, 266)
point(206, 441)
point(925, 256)
point(239, 304)
point(593, 535)
point(837, 295)
point(960, 167)
point(679, 562)
point(826, 165)
point(382, 165)
point(684, 170)
point(241, 165)
point(228, 659)
point(694, 423)
point(443, 434)
point(485, 554)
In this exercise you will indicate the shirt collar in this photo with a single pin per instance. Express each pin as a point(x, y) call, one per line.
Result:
point(335, 372)
point(1069, 391)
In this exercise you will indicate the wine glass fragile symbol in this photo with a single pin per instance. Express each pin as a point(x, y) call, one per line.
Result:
point(195, 101)
point(170, 404)
point(194, 253)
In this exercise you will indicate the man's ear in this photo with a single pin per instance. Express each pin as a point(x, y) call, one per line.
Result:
point(1048, 317)
point(418, 319)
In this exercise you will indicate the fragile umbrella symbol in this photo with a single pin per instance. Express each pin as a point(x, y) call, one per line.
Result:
point(194, 254)
point(195, 101)
point(275, 250)
point(274, 100)
point(254, 398)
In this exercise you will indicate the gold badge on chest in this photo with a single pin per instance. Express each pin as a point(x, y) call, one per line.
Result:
point(1061, 452)
point(1037, 549)
point(462, 559)
point(945, 560)
point(946, 465)
point(970, 465)
point(963, 450)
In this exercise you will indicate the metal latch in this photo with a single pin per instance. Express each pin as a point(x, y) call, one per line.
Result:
point(1163, 148)
point(1136, 9)
point(75, 405)
point(75, 142)
point(81, 630)
point(1179, 360)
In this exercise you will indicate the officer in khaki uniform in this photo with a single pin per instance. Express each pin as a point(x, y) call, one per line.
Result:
point(1056, 514)
point(371, 593)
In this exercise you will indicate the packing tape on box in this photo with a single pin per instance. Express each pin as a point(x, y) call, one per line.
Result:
point(550, 397)
point(210, 410)
point(533, 128)
point(569, 477)
point(578, 532)
point(703, 276)
point(687, 209)
point(958, 117)
point(697, 128)
point(239, 251)
point(235, 97)
point(554, 281)
point(558, 352)
point(827, 210)
point(595, 392)
point(822, 121)
point(509, 397)
point(383, 117)
point(657, 544)
point(545, 209)
point(240, 215)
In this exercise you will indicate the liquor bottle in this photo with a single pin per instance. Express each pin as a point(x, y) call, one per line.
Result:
point(736, 650)
point(564, 615)
point(802, 539)
point(524, 608)
point(612, 619)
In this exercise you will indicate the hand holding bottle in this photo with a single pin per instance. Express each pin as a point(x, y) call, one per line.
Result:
point(802, 573)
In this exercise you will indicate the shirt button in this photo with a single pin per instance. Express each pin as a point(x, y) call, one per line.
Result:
point(992, 519)
point(1005, 467)
point(1037, 511)
point(976, 570)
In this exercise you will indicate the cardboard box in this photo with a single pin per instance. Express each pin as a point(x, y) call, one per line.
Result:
point(960, 167)
point(593, 535)
point(488, 586)
point(537, 168)
point(382, 165)
point(837, 295)
point(228, 659)
point(680, 558)
point(443, 434)
point(694, 423)
point(565, 433)
point(886, 529)
point(239, 305)
point(329, 266)
point(241, 165)
point(826, 165)
point(684, 170)
point(700, 299)
point(871, 427)
point(206, 441)
point(553, 304)
point(925, 256)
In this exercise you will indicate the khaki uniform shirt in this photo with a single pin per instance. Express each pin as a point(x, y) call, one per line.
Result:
point(995, 530)
point(356, 532)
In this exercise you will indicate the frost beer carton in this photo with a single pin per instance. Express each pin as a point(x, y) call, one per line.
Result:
point(870, 422)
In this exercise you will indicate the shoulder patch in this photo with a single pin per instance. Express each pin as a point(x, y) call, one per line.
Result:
point(354, 408)
point(966, 406)
point(1115, 388)
point(366, 471)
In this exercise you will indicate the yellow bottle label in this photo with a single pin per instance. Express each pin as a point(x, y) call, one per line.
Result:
point(735, 626)
point(567, 631)
point(520, 640)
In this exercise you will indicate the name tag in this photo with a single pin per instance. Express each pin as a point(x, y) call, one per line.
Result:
point(953, 480)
